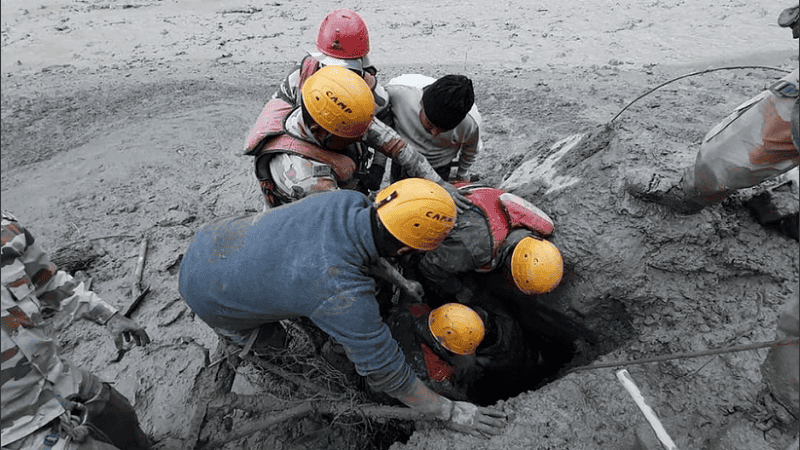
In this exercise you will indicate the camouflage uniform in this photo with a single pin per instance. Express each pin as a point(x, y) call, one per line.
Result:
point(36, 382)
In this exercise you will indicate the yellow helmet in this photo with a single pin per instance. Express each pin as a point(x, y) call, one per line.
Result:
point(457, 327)
point(418, 212)
point(339, 101)
point(536, 266)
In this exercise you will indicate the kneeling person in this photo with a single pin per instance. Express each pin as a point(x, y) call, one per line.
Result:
point(241, 273)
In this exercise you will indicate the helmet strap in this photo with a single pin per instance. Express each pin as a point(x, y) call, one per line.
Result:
point(385, 242)
point(389, 198)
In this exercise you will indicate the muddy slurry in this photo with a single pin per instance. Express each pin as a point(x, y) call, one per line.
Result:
point(138, 132)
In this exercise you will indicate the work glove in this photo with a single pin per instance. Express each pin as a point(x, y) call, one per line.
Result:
point(414, 290)
point(475, 420)
point(462, 203)
point(122, 327)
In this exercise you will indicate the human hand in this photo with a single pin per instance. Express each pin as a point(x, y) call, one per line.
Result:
point(462, 203)
point(475, 420)
point(415, 290)
point(122, 327)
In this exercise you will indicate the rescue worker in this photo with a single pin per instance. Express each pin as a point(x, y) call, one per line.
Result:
point(751, 145)
point(454, 347)
point(342, 40)
point(758, 141)
point(46, 401)
point(242, 275)
point(500, 231)
point(440, 118)
point(316, 146)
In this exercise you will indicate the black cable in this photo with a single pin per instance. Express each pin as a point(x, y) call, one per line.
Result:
point(692, 74)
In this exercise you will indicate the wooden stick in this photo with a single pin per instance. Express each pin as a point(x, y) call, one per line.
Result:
point(627, 382)
point(301, 382)
point(137, 275)
point(308, 407)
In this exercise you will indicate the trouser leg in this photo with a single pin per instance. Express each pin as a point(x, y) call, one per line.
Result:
point(752, 144)
point(111, 413)
point(780, 368)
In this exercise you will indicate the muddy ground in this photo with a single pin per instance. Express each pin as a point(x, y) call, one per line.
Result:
point(122, 120)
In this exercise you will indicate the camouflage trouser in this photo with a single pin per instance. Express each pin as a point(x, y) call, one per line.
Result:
point(749, 146)
point(97, 409)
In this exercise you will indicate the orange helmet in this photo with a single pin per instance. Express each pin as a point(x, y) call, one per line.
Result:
point(536, 266)
point(343, 34)
point(457, 327)
point(418, 212)
point(340, 101)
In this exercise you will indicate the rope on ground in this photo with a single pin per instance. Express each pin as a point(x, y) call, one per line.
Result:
point(700, 72)
point(740, 348)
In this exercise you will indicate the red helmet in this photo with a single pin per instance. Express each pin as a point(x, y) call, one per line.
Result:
point(344, 35)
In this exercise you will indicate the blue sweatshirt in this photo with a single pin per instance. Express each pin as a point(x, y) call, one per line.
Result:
point(308, 258)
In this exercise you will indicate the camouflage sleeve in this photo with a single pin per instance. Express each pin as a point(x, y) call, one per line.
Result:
point(387, 141)
point(288, 89)
point(56, 290)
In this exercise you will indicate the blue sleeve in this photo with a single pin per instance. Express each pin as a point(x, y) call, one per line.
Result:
point(352, 318)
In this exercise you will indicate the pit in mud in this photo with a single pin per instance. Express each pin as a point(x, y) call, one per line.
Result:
point(310, 371)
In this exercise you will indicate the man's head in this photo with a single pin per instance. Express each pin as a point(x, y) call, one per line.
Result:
point(338, 106)
point(417, 212)
point(536, 266)
point(445, 103)
point(343, 40)
point(457, 327)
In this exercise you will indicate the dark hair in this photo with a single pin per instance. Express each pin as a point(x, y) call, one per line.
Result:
point(448, 100)
point(385, 242)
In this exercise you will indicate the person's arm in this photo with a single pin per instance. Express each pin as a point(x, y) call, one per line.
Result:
point(352, 318)
point(468, 154)
point(387, 272)
point(460, 416)
point(288, 89)
point(57, 290)
point(389, 142)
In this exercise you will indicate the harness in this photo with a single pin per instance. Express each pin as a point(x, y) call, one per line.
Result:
point(505, 212)
point(309, 65)
point(269, 137)
point(438, 369)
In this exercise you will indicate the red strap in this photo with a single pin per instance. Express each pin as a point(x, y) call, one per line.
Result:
point(438, 369)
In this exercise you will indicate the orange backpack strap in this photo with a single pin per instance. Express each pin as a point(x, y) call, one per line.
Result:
point(487, 199)
point(523, 214)
point(506, 212)
point(308, 66)
point(343, 167)
point(268, 123)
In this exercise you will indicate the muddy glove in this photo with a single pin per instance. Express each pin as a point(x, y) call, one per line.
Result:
point(462, 203)
point(475, 420)
point(414, 290)
point(120, 326)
